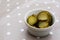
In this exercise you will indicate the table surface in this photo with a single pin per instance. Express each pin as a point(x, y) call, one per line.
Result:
point(12, 12)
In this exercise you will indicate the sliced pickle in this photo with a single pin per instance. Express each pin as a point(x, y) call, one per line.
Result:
point(43, 24)
point(50, 20)
point(42, 16)
point(32, 19)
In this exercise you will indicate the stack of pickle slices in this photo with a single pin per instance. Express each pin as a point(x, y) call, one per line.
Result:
point(42, 20)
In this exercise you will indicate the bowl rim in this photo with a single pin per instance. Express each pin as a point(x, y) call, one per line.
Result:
point(35, 27)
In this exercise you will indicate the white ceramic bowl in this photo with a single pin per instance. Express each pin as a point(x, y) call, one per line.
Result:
point(38, 31)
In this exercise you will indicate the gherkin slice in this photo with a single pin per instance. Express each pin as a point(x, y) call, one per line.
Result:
point(50, 20)
point(42, 16)
point(32, 19)
point(43, 24)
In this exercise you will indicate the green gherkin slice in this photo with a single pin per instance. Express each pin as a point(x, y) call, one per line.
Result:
point(50, 19)
point(43, 16)
point(43, 24)
point(32, 19)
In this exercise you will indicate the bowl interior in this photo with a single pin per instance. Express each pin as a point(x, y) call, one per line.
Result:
point(36, 12)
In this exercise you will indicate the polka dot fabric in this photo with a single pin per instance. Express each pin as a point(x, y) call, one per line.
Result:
point(12, 13)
